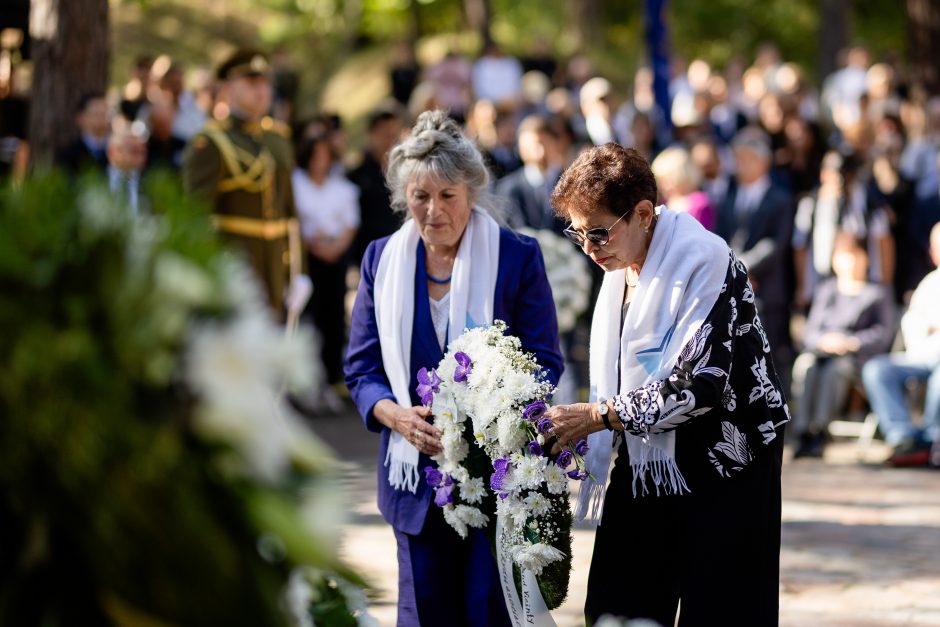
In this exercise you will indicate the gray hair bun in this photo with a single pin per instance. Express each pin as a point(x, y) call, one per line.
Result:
point(437, 148)
point(432, 131)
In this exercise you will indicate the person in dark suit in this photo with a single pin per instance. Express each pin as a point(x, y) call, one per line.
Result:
point(90, 150)
point(127, 157)
point(402, 321)
point(527, 189)
point(756, 220)
point(375, 205)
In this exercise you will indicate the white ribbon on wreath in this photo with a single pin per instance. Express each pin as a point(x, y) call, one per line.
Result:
point(530, 608)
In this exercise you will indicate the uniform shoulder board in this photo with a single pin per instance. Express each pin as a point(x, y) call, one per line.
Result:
point(275, 126)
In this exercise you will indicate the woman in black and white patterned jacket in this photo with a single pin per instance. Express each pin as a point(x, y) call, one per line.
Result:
point(685, 392)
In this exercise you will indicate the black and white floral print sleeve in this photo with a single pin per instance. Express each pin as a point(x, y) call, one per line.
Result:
point(701, 380)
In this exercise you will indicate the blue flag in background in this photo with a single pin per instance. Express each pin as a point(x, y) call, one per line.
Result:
point(657, 42)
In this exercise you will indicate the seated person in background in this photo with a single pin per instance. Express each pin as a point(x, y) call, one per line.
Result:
point(850, 321)
point(886, 376)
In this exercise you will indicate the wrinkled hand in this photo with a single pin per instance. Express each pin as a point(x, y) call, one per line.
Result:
point(571, 423)
point(412, 423)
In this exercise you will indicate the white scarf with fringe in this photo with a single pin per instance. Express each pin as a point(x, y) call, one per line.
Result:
point(472, 292)
point(679, 284)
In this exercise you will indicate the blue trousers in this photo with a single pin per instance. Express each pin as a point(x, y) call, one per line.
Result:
point(447, 581)
point(885, 378)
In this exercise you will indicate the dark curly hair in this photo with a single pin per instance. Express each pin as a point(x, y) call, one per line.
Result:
point(607, 177)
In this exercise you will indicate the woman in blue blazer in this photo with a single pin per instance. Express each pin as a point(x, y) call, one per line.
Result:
point(449, 267)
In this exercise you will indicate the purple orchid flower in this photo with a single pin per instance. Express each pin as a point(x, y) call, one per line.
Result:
point(534, 411)
point(544, 425)
point(428, 385)
point(464, 367)
point(581, 448)
point(443, 495)
point(500, 467)
point(577, 475)
point(564, 459)
point(535, 448)
point(433, 476)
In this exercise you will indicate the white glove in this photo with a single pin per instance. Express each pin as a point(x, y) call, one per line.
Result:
point(298, 293)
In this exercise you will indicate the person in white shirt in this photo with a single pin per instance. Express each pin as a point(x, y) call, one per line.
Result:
point(328, 209)
point(886, 377)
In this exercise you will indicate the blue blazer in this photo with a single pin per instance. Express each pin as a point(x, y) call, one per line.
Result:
point(523, 300)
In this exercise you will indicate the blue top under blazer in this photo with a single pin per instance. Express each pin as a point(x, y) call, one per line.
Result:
point(523, 300)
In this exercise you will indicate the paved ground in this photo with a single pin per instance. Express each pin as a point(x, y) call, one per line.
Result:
point(861, 543)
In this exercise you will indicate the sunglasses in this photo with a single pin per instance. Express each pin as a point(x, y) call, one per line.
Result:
point(599, 236)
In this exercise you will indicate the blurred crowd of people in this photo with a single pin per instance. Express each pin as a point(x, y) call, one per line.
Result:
point(828, 195)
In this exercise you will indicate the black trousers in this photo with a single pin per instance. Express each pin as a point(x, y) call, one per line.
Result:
point(717, 549)
point(327, 309)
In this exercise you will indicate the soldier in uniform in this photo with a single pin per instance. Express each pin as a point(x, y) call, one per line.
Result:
point(242, 166)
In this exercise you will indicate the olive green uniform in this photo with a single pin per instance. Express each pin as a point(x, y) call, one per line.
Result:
point(243, 171)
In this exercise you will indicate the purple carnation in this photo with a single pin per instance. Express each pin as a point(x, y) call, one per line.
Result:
point(443, 496)
point(464, 367)
point(535, 448)
point(534, 411)
point(428, 385)
point(564, 458)
point(544, 425)
point(500, 468)
point(433, 476)
point(581, 448)
point(577, 475)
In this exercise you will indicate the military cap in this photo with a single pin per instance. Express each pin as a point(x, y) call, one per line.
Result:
point(244, 62)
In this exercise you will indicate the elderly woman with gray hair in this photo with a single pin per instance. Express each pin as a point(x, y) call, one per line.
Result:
point(450, 266)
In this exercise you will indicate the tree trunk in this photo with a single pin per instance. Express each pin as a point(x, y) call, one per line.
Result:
point(70, 49)
point(923, 20)
point(479, 16)
point(833, 35)
point(586, 17)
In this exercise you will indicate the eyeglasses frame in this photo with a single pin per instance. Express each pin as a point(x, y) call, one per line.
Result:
point(577, 238)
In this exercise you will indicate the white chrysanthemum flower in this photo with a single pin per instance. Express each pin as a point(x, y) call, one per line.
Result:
point(471, 516)
point(529, 472)
point(455, 520)
point(536, 557)
point(518, 512)
point(451, 438)
point(233, 369)
point(472, 490)
point(510, 435)
point(461, 475)
point(537, 504)
point(555, 479)
point(513, 513)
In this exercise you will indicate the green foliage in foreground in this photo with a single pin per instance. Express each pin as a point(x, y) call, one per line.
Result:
point(116, 508)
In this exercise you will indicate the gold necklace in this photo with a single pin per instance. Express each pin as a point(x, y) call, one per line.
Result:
point(636, 281)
